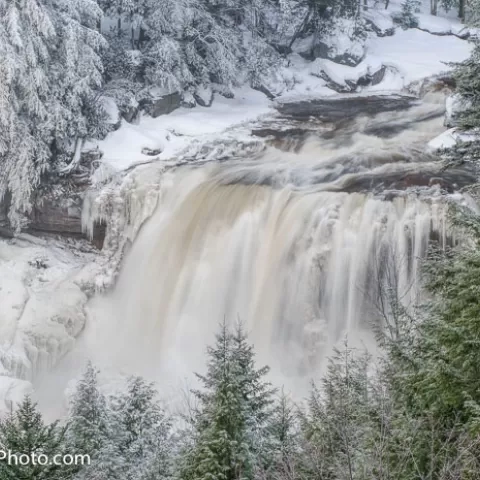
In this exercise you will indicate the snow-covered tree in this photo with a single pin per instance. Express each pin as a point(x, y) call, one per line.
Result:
point(88, 414)
point(408, 18)
point(143, 432)
point(50, 70)
point(230, 425)
point(24, 432)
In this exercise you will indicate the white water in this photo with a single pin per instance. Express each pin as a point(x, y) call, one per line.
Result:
point(272, 241)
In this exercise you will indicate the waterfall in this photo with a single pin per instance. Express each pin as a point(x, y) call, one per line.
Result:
point(301, 246)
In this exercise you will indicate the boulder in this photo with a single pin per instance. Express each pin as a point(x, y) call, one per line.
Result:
point(345, 45)
point(304, 47)
point(345, 79)
point(204, 96)
point(163, 105)
point(379, 22)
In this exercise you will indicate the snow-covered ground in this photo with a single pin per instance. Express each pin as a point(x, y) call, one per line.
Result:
point(44, 284)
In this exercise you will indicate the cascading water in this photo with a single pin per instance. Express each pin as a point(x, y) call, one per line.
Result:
point(299, 246)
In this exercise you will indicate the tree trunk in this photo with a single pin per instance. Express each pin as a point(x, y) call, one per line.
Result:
point(365, 5)
point(387, 3)
point(461, 10)
point(433, 7)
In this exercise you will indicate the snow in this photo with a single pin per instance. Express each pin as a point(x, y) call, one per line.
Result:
point(341, 74)
point(380, 18)
point(450, 138)
point(171, 133)
point(340, 40)
point(446, 139)
point(417, 55)
point(443, 26)
point(410, 55)
point(44, 285)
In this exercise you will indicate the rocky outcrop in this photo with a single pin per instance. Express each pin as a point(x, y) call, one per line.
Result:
point(162, 105)
point(204, 96)
point(338, 108)
point(345, 79)
point(350, 56)
point(345, 44)
point(379, 22)
point(57, 215)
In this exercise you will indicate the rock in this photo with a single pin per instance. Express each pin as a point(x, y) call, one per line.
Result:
point(54, 214)
point(204, 96)
point(379, 22)
point(151, 152)
point(188, 100)
point(266, 91)
point(131, 114)
point(342, 46)
point(338, 108)
point(162, 105)
point(304, 47)
point(345, 79)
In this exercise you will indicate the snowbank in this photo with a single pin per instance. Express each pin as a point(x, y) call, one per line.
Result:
point(443, 26)
point(449, 139)
point(171, 133)
point(416, 54)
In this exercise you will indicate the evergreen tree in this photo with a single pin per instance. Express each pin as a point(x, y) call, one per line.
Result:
point(143, 432)
point(231, 421)
point(50, 70)
point(24, 433)
point(88, 414)
point(467, 75)
point(407, 18)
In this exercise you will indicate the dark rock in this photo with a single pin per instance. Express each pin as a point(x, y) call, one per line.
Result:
point(351, 85)
point(54, 215)
point(322, 50)
point(204, 97)
point(151, 152)
point(131, 114)
point(266, 91)
point(162, 105)
point(334, 109)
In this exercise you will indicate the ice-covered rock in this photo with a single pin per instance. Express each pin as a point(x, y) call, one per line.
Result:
point(379, 21)
point(450, 138)
point(446, 139)
point(204, 96)
point(344, 45)
point(343, 79)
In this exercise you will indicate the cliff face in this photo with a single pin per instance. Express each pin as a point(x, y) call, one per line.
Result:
point(54, 214)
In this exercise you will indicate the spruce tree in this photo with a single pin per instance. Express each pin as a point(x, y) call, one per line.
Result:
point(467, 75)
point(230, 424)
point(88, 414)
point(24, 433)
